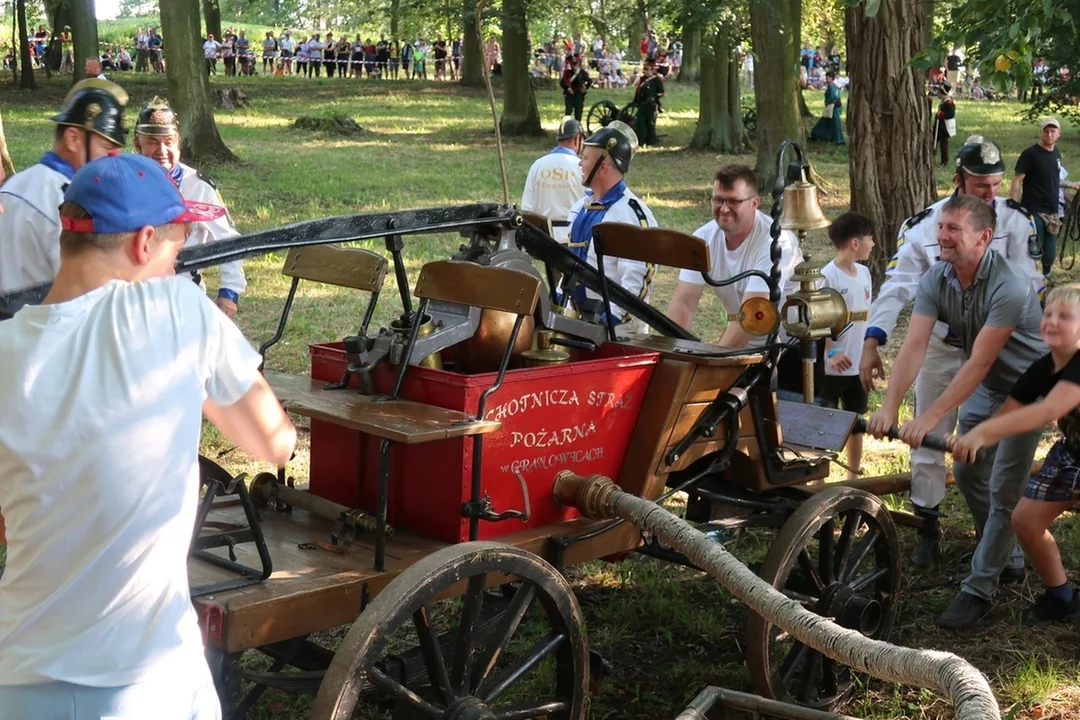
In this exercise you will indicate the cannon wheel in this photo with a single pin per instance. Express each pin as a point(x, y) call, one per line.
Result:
point(838, 554)
point(467, 672)
point(600, 114)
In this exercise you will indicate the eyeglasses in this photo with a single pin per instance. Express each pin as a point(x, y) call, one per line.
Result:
point(732, 203)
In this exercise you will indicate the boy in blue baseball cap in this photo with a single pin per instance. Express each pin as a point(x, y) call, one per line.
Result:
point(104, 388)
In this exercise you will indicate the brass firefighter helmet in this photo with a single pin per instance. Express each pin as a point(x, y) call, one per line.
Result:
point(97, 106)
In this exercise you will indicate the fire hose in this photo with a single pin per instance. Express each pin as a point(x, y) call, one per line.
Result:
point(597, 497)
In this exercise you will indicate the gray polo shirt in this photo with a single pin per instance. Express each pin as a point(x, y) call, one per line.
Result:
point(1001, 296)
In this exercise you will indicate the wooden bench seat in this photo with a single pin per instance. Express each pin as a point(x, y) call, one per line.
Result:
point(289, 388)
point(401, 421)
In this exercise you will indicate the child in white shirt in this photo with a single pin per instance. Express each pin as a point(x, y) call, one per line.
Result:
point(853, 236)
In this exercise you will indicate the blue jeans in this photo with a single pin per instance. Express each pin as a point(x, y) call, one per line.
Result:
point(175, 698)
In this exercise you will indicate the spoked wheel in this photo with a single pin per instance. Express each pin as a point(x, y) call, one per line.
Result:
point(838, 555)
point(474, 664)
point(600, 114)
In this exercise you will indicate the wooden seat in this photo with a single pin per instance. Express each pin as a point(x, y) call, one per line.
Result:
point(652, 245)
point(354, 268)
point(400, 421)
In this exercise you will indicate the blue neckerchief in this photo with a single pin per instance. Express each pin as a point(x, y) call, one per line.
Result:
point(55, 162)
point(563, 151)
point(177, 174)
point(582, 229)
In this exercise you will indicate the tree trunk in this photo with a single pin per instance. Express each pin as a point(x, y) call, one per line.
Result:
point(892, 166)
point(395, 17)
point(690, 72)
point(719, 126)
point(26, 79)
point(188, 84)
point(472, 61)
point(520, 115)
point(83, 34)
point(6, 166)
point(776, 82)
point(212, 12)
point(61, 15)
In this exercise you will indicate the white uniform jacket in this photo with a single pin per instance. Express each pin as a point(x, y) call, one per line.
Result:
point(917, 250)
point(634, 276)
point(552, 187)
point(30, 227)
point(197, 187)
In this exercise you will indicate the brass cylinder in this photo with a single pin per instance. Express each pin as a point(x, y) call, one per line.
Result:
point(483, 352)
point(403, 328)
point(808, 381)
point(544, 355)
point(591, 495)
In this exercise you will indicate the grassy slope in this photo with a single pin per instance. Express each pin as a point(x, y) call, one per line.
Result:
point(429, 145)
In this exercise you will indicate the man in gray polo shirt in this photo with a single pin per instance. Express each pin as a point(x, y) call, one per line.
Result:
point(991, 307)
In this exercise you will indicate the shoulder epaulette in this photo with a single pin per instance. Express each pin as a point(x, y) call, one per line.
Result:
point(205, 178)
point(1014, 205)
point(915, 220)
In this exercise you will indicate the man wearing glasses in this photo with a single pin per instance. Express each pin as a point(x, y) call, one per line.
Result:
point(739, 240)
point(157, 136)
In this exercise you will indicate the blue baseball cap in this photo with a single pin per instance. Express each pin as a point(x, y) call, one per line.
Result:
point(123, 193)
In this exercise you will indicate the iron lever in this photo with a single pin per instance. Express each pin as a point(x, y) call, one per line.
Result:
point(933, 442)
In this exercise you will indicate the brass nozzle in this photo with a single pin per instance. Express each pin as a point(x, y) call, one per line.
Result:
point(592, 496)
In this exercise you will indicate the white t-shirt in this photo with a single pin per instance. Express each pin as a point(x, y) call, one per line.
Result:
point(856, 291)
point(552, 187)
point(210, 49)
point(99, 478)
point(752, 254)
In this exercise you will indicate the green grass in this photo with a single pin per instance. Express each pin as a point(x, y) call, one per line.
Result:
point(432, 144)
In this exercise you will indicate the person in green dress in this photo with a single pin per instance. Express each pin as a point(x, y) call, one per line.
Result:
point(830, 128)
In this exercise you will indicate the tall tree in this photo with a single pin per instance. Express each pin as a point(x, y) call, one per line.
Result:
point(776, 81)
point(892, 167)
point(83, 34)
point(520, 116)
point(395, 17)
point(719, 126)
point(26, 79)
point(59, 12)
point(212, 13)
point(188, 83)
point(690, 72)
point(472, 61)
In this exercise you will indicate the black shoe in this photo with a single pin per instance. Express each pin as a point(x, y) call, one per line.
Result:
point(926, 551)
point(1048, 608)
point(964, 611)
point(1012, 575)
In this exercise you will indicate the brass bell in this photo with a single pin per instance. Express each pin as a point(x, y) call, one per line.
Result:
point(544, 354)
point(801, 209)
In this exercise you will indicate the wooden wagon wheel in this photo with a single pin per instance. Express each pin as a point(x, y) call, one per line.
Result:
point(474, 670)
point(600, 114)
point(838, 554)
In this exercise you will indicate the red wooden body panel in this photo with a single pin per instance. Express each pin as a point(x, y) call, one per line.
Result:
point(577, 416)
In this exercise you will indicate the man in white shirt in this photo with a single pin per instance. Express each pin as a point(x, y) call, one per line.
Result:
point(739, 240)
point(604, 162)
point(157, 136)
point(104, 391)
point(553, 184)
point(979, 172)
point(89, 126)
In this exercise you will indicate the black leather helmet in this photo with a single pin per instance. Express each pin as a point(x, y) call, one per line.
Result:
point(96, 106)
point(166, 122)
point(569, 128)
point(618, 141)
point(979, 156)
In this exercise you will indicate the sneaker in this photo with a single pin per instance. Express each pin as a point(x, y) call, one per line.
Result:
point(1048, 608)
point(964, 611)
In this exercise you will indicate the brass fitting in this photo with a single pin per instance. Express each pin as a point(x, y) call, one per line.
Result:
point(592, 496)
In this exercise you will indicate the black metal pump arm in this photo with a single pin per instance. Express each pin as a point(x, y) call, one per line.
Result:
point(344, 228)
